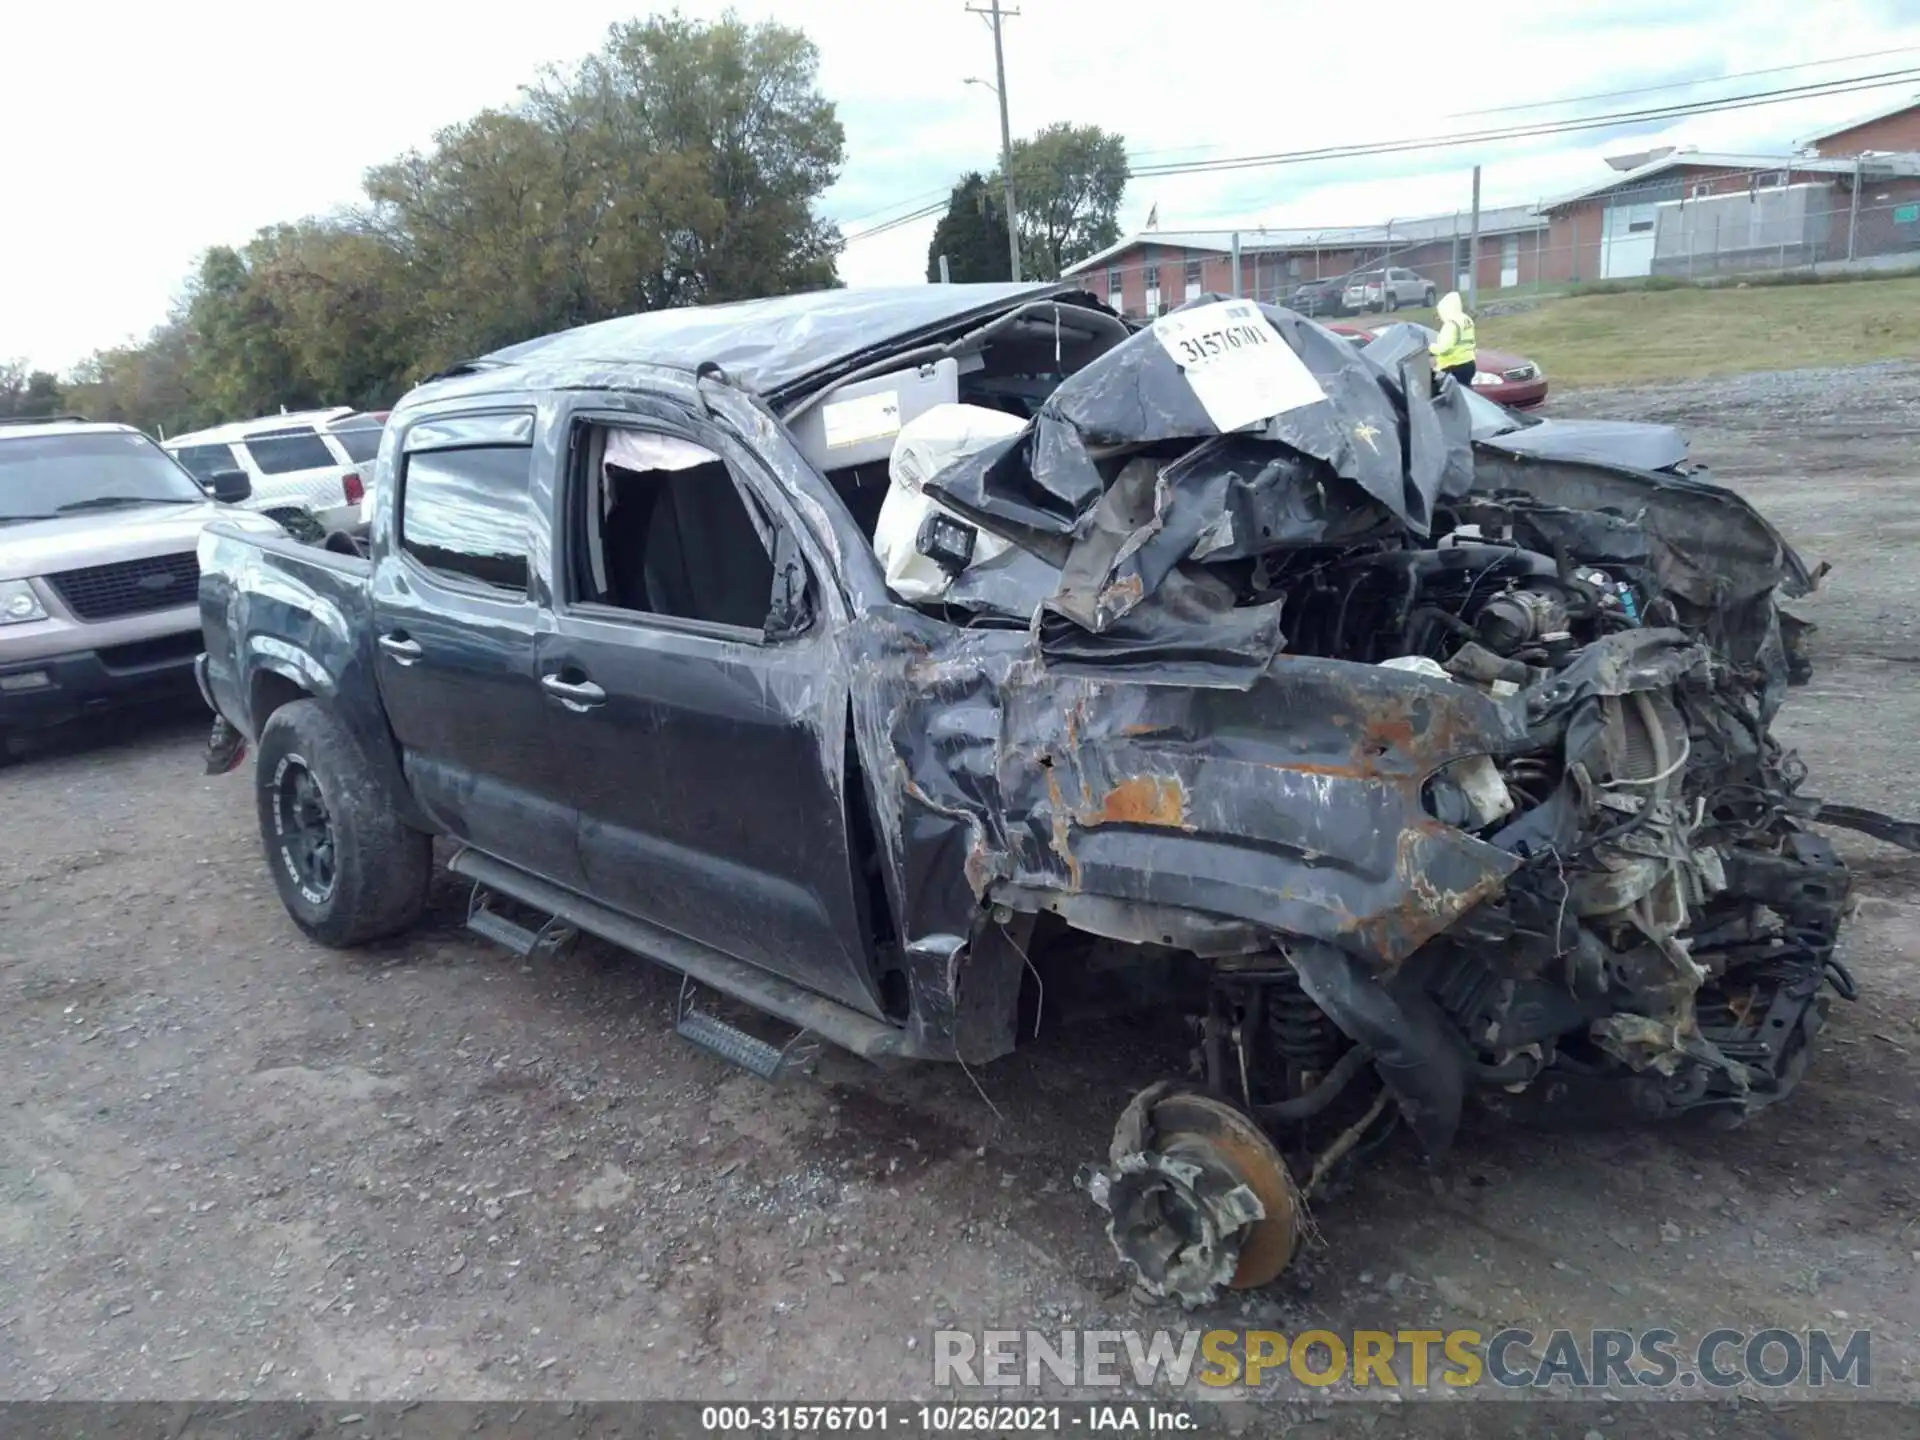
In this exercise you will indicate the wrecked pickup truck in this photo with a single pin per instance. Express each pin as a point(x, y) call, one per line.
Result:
point(1222, 676)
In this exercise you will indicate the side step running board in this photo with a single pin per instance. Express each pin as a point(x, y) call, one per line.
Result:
point(734, 1045)
point(482, 919)
point(846, 1027)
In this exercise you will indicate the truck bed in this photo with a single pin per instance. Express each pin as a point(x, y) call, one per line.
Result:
point(278, 616)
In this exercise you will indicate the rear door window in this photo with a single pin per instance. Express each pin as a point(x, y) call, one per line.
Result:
point(467, 513)
point(361, 445)
point(203, 462)
point(281, 452)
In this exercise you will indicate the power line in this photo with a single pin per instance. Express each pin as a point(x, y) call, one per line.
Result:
point(919, 199)
point(894, 224)
point(924, 196)
point(1847, 85)
point(1681, 84)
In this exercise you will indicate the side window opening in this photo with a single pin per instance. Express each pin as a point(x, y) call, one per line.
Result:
point(362, 443)
point(662, 528)
point(282, 452)
point(465, 513)
point(203, 462)
point(863, 490)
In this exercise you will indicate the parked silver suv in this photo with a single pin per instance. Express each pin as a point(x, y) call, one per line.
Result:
point(99, 578)
point(1387, 289)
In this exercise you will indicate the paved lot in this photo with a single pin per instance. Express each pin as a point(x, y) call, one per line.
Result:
point(232, 1163)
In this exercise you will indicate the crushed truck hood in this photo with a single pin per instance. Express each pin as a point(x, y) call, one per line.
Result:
point(1140, 732)
point(1141, 755)
point(1609, 442)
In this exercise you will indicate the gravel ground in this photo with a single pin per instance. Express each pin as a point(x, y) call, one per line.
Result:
point(234, 1165)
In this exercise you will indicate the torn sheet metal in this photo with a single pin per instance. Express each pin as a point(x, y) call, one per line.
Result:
point(1253, 496)
point(1472, 747)
point(1300, 443)
point(1292, 807)
point(1709, 545)
point(1038, 489)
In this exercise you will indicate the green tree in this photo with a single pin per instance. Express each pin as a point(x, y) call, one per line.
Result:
point(972, 235)
point(1068, 181)
point(481, 238)
point(26, 393)
point(344, 308)
point(244, 357)
point(678, 165)
point(719, 136)
point(150, 384)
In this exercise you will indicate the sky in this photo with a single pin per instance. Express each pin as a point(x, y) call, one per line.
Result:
point(163, 129)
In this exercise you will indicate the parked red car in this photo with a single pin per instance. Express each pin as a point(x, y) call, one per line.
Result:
point(1510, 379)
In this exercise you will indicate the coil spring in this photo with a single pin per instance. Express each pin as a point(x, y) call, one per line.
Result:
point(1300, 1031)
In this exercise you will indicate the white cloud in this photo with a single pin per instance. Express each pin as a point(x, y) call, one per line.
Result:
point(155, 131)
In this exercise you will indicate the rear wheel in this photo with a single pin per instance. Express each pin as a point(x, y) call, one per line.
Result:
point(1393, 299)
point(347, 869)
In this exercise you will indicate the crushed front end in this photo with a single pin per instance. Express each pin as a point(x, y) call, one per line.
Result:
point(1420, 778)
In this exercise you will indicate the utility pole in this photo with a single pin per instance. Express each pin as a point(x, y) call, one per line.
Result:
point(994, 15)
point(946, 276)
point(1853, 208)
point(1473, 249)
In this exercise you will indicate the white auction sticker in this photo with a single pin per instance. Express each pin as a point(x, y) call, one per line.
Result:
point(1240, 369)
point(866, 417)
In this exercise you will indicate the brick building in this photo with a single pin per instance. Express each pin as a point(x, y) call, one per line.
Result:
point(1891, 130)
point(1850, 192)
point(1156, 270)
point(1686, 212)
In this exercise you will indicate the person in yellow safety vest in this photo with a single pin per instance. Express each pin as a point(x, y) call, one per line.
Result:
point(1453, 351)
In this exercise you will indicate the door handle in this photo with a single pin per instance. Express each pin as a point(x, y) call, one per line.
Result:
point(579, 696)
point(401, 648)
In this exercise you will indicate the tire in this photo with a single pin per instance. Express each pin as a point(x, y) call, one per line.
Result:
point(1393, 300)
point(1429, 298)
point(347, 869)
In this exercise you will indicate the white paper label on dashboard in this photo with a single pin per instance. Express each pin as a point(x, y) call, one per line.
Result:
point(864, 418)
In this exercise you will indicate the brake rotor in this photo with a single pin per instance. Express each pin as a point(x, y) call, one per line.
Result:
point(1199, 1199)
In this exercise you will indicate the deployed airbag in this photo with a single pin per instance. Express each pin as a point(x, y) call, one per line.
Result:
point(928, 444)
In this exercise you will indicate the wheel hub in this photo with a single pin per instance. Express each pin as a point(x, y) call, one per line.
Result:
point(1198, 1198)
point(306, 828)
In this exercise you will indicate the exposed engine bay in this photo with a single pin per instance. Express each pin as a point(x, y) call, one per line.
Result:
point(1479, 746)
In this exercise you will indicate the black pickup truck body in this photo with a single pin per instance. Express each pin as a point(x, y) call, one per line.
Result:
point(733, 792)
point(1497, 811)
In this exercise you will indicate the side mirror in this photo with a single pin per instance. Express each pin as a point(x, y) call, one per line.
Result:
point(230, 487)
point(790, 612)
